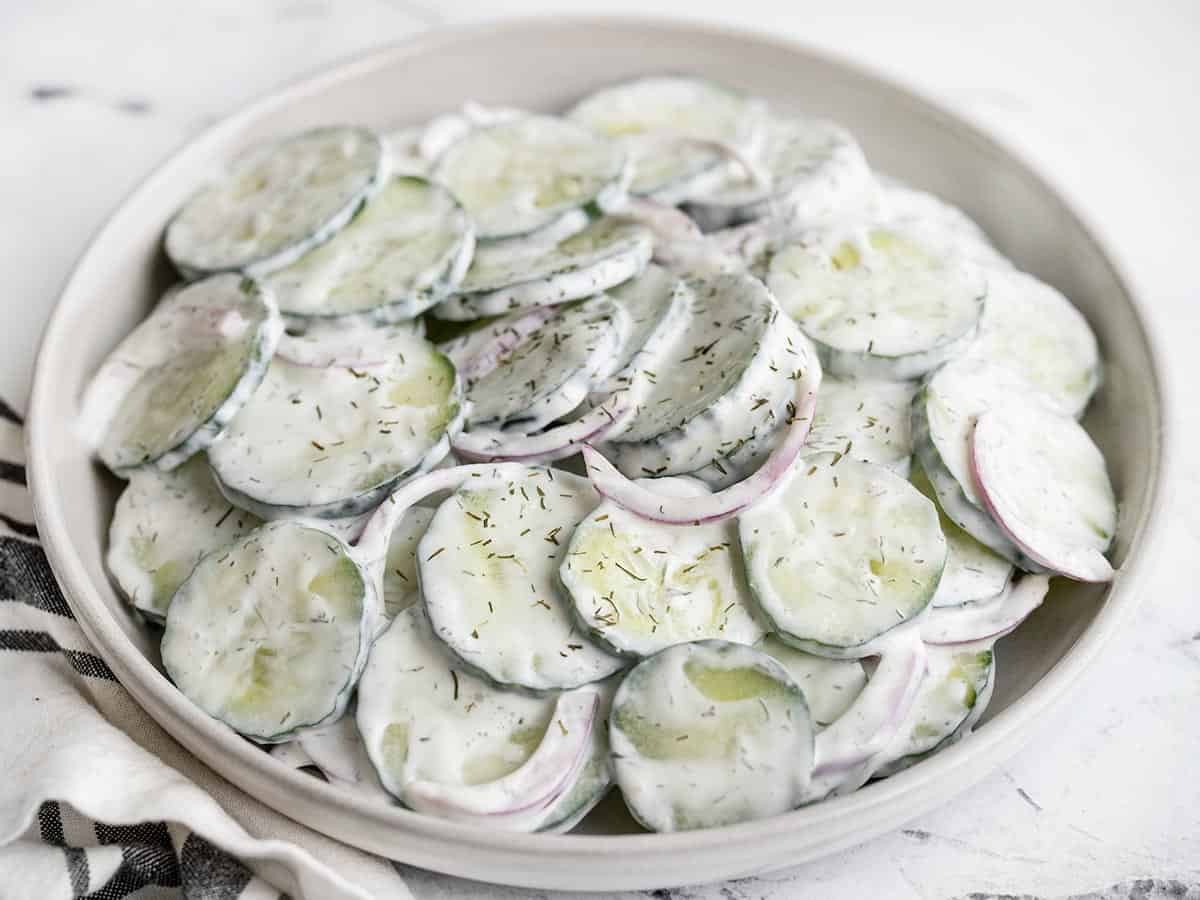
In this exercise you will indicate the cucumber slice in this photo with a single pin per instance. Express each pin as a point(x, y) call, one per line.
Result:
point(668, 124)
point(973, 573)
point(430, 726)
point(325, 347)
point(400, 587)
point(842, 553)
point(276, 202)
point(406, 250)
point(1046, 484)
point(732, 366)
point(489, 566)
point(601, 256)
point(866, 420)
point(956, 690)
point(774, 414)
point(944, 414)
point(332, 442)
point(886, 306)
point(269, 634)
point(944, 226)
point(550, 372)
point(519, 176)
point(657, 304)
point(172, 386)
point(708, 734)
point(1033, 329)
point(164, 522)
point(641, 586)
point(830, 686)
point(809, 172)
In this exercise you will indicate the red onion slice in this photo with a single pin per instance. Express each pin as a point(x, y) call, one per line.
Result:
point(512, 801)
point(844, 749)
point(1045, 484)
point(476, 354)
point(649, 504)
point(986, 620)
point(491, 445)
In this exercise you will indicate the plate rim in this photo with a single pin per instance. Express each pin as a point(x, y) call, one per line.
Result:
point(888, 802)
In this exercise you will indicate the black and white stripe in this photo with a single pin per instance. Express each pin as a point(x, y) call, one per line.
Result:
point(16, 509)
point(100, 861)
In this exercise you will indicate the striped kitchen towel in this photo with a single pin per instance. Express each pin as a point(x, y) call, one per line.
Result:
point(97, 801)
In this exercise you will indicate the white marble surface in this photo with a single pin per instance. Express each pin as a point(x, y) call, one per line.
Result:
point(1103, 101)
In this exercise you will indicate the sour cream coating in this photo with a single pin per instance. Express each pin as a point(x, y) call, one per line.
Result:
point(163, 524)
point(269, 633)
point(489, 565)
point(710, 733)
point(331, 441)
point(276, 202)
point(426, 719)
point(642, 586)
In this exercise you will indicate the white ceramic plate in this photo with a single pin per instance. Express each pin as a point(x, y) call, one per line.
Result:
point(546, 64)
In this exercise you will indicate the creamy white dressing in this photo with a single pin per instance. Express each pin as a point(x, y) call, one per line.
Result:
point(1031, 328)
point(551, 371)
point(425, 719)
point(657, 305)
point(843, 552)
point(973, 572)
point(727, 378)
point(669, 126)
point(277, 201)
point(330, 441)
point(888, 305)
point(806, 173)
point(515, 177)
point(404, 252)
point(830, 686)
point(338, 751)
point(506, 617)
point(1045, 481)
point(173, 384)
point(953, 399)
point(489, 565)
point(710, 733)
point(642, 586)
point(164, 522)
point(866, 419)
point(269, 633)
point(601, 256)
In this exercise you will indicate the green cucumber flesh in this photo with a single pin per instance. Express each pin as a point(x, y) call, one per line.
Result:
point(406, 250)
point(276, 202)
point(843, 552)
point(489, 565)
point(163, 523)
point(172, 386)
point(640, 586)
point(269, 633)
point(332, 442)
point(707, 734)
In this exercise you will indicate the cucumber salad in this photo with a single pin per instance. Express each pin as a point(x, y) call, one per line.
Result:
point(488, 464)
